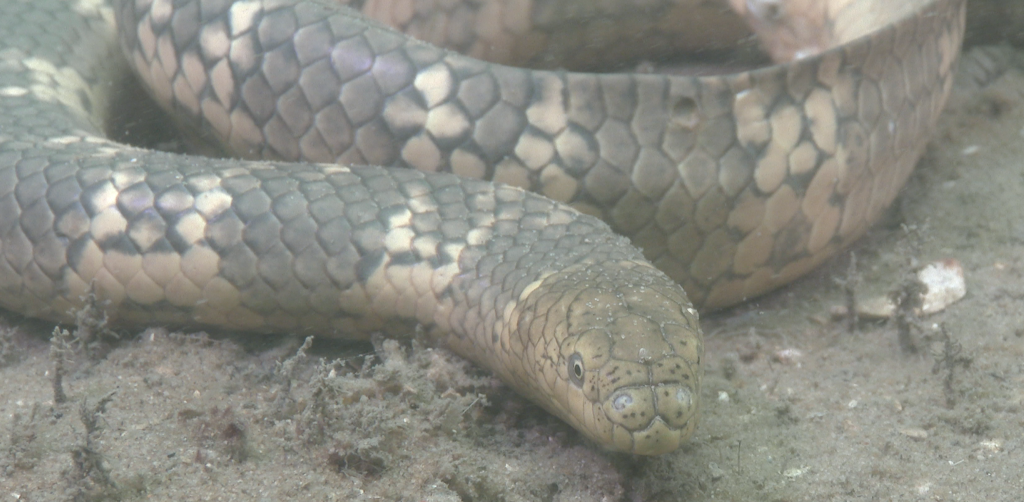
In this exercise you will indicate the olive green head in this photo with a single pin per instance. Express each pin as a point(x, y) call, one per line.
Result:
point(616, 352)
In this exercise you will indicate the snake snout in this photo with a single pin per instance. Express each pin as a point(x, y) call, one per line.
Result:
point(657, 407)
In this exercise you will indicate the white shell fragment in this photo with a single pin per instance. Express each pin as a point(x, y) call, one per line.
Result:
point(945, 282)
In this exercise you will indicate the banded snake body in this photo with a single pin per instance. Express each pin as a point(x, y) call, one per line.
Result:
point(732, 185)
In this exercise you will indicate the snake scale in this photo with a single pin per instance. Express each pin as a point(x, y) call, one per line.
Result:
point(732, 185)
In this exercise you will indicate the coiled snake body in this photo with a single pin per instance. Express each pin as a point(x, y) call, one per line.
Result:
point(732, 185)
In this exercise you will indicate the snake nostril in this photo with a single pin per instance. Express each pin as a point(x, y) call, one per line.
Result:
point(622, 402)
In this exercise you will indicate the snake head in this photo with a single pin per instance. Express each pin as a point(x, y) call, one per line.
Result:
point(616, 351)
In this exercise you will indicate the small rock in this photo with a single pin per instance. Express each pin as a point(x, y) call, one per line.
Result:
point(914, 433)
point(796, 472)
point(715, 471)
point(788, 356)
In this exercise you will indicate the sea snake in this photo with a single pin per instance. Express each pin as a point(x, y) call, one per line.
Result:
point(731, 185)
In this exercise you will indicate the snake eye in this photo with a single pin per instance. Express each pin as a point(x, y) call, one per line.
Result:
point(576, 369)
